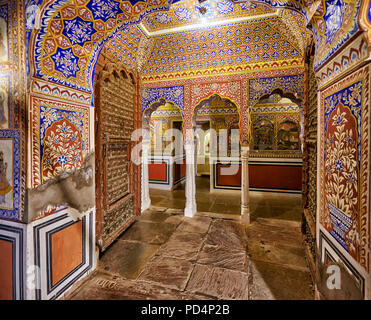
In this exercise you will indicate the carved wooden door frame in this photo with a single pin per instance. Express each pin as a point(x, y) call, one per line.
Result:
point(107, 73)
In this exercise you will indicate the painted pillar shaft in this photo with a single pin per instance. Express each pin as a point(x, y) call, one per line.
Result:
point(190, 191)
point(245, 208)
point(146, 200)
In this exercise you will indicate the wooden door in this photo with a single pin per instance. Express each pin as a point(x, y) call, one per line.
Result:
point(117, 177)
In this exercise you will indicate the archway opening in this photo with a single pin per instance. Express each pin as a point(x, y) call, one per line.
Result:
point(275, 160)
point(217, 158)
point(166, 160)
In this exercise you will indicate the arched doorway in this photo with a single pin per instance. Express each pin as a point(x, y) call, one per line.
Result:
point(275, 159)
point(217, 156)
point(166, 159)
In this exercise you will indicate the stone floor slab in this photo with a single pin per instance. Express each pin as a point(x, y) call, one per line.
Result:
point(149, 232)
point(103, 286)
point(282, 282)
point(127, 258)
point(219, 283)
point(286, 255)
point(170, 272)
point(195, 224)
point(183, 245)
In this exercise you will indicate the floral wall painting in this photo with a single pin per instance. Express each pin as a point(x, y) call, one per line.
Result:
point(345, 166)
point(60, 138)
point(9, 174)
point(4, 56)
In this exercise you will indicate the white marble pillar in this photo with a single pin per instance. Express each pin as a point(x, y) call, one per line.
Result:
point(190, 189)
point(146, 200)
point(245, 208)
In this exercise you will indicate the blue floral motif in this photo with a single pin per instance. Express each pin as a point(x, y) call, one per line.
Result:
point(183, 14)
point(62, 160)
point(174, 94)
point(225, 7)
point(338, 165)
point(66, 62)
point(104, 9)
point(78, 31)
point(163, 17)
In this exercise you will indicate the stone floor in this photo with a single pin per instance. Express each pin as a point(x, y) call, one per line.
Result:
point(262, 204)
point(165, 255)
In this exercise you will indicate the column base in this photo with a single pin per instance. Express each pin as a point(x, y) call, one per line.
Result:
point(145, 205)
point(245, 214)
point(190, 211)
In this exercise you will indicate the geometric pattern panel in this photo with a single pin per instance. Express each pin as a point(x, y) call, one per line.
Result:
point(125, 45)
point(13, 237)
point(221, 46)
point(47, 238)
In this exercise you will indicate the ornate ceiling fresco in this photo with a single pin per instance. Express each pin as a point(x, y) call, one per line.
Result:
point(224, 49)
point(185, 15)
point(228, 38)
point(71, 33)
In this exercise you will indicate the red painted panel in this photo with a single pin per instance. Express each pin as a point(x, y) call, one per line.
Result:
point(6, 273)
point(228, 180)
point(275, 177)
point(157, 171)
point(66, 251)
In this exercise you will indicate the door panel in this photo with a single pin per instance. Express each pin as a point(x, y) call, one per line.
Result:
point(117, 187)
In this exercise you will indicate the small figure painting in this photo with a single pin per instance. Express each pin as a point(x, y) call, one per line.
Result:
point(3, 40)
point(3, 109)
point(5, 186)
point(288, 136)
point(263, 135)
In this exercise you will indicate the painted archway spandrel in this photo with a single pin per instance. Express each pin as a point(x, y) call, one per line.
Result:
point(344, 164)
point(68, 56)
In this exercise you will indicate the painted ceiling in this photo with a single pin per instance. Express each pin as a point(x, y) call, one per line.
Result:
point(235, 37)
point(71, 33)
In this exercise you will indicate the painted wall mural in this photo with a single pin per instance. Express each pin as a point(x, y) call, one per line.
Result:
point(262, 86)
point(60, 138)
point(10, 177)
point(275, 134)
point(345, 164)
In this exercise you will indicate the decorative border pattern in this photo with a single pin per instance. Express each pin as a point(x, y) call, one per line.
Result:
point(42, 231)
point(16, 234)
